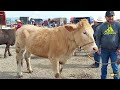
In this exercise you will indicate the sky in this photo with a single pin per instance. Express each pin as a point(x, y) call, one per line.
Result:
point(54, 14)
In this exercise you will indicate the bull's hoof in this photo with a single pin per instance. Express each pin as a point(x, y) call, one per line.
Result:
point(10, 55)
point(19, 76)
point(30, 71)
point(4, 56)
point(57, 75)
point(74, 54)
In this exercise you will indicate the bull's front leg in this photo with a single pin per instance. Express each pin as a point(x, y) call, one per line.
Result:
point(56, 68)
point(62, 63)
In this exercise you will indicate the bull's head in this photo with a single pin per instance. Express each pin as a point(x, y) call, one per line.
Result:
point(83, 35)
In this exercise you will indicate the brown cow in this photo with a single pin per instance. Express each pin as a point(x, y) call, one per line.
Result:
point(7, 36)
point(57, 43)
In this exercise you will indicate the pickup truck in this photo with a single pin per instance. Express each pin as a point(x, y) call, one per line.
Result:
point(76, 19)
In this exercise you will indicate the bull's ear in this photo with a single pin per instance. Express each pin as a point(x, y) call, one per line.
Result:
point(70, 28)
point(80, 25)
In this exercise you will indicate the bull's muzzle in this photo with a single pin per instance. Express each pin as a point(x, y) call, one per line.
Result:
point(95, 49)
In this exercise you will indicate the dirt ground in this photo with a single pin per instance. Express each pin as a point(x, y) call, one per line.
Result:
point(78, 67)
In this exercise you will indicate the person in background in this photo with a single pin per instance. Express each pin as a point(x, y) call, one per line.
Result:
point(49, 23)
point(108, 42)
point(19, 24)
point(96, 55)
point(33, 22)
point(91, 21)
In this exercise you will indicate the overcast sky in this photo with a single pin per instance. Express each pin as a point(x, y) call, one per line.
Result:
point(54, 14)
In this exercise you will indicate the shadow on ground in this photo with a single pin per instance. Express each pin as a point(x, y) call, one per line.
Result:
point(37, 57)
point(8, 75)
point(65, 66)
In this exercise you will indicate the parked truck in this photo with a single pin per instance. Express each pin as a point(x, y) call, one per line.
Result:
point(77, 19)
point(25, 20)
point(60, 21)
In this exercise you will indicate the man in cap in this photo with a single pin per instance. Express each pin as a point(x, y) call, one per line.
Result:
point(108, 42)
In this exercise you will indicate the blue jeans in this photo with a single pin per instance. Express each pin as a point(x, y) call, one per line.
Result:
point(97, 59)
point(105, 55)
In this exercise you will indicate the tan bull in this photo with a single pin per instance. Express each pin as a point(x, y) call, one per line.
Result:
point(57, 44)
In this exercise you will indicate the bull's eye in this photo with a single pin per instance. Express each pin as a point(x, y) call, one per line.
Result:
point(85, 33)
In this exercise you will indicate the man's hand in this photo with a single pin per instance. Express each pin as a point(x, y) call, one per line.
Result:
point(99, 51)
point(118, 61)
point(118, 52)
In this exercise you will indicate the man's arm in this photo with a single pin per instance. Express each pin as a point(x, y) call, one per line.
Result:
point(119, 35)
point(118, 50)
point(98, 36)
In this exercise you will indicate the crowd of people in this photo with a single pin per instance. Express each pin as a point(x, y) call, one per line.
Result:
point(48, 24)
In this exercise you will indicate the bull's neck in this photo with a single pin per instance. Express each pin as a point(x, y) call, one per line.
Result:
point(72, 45)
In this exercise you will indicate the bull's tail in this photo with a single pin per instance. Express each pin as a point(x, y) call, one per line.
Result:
point(21, 35)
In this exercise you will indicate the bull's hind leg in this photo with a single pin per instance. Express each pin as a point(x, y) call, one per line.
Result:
point(27, 58)
point(19, 59)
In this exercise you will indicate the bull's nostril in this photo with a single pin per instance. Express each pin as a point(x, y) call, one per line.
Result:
point(94, 49)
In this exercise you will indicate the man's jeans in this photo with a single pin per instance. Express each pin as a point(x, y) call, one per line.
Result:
point(97, 59)
point(106, 55)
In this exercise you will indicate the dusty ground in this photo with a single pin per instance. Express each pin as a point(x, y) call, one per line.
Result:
point(78, 67)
